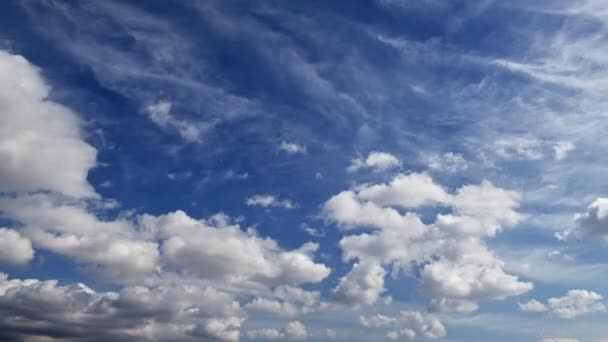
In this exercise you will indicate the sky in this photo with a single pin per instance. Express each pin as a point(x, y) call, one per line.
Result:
point(303, 170)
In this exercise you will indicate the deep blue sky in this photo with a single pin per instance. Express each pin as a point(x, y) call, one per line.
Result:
point(487, 113)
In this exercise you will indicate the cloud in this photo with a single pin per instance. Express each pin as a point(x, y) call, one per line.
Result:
point(68, 228)
point(592, 223)
point(574, 304)
point(293, 330)
point(562, 149)
point(314, 232)
point(205, 248)
point(292, 148)
point(533, 306)
point(286, 301)
point(377, 161)
point(557, 339)
point(160, 114)
point(453, 305)
point(448, 162)
point(15, 249)
point(412, 323)
point(38, 135)
point(45, 308)
point(362, 285)
point(407, 191)
point(267, 201)
point(454, 261)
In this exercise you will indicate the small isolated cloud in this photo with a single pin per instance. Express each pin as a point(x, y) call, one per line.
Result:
point(593, 222)
point(453, 305)
point(557, 339)
point(377, 161)
point(448, 162)
point(314, 232)
point(562, 149)
point(267, 201)
point(292, 148)
point(160, 114)
point(293, 330)
point(575, 303)
point(330, 333)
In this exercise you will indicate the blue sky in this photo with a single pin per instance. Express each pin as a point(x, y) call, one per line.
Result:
point(319, 170)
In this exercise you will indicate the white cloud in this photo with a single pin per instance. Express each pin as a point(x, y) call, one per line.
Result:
point(575, 303)
point(519, 148)
point(362, 285)
point(455, 263)
point(38, 135)
point(452, 305)
point(266, 201)
point(160, 114)
point(448, 162)
point(557, 339)
point(292, 148)
point(592, 223)
point(312, 231)
point(562, 149)
point(286, 301)
point(15, 249)
point(33, 307)
point(331, 333)
point(407, 191)
point(403, 334)
point(69, 229)
point(413, 322)
point(205, 248)
point(377, 161)
point(533, 306)
point(293, 330)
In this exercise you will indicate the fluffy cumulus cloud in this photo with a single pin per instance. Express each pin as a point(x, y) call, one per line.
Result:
point(362, 285)
point(377, 161)
point(575, 303)
point(15, 249)
point(170, 270)
point(75, 311)
point(454, 261)
point(205, 248)
point(411, 324)
point(293, 330)
point(38, 135)
point(267, 201)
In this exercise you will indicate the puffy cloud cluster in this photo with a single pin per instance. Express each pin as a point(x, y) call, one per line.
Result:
point(174, 267)
point(161, 313)
point(377, 161)
point(38, 135)
point(575, 303)
point(453, 259)
point(411, 324)
point(293, 330)
point(206, 248)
